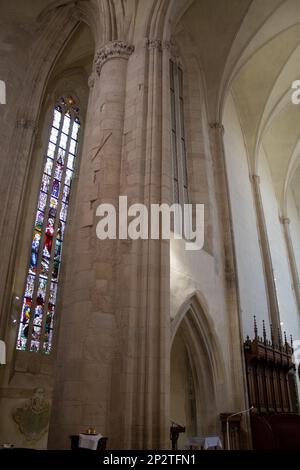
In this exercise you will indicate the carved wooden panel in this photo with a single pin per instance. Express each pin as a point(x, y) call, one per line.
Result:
point(269, 365)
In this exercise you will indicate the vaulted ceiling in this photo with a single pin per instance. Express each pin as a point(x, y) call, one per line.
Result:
point(270, 121)
point(252, 48)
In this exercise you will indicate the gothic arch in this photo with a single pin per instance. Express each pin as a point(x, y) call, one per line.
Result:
point(203, 351)
point(27, 108)
point(62, 79)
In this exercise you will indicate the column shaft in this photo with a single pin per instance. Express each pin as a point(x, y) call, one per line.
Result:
point(87, 333)
point(266, 255)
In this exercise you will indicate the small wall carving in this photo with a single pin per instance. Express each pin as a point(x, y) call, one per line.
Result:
point(33, 417)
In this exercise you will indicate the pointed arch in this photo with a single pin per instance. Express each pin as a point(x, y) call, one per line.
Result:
point(196, 329)
point(65, 90)
point(26, 108)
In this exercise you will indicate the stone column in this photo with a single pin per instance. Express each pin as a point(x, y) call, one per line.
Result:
point(237, 374)
point(266, 255)
point(88, 327)
point(292, 261)
point(140, 383)
point(114, 350)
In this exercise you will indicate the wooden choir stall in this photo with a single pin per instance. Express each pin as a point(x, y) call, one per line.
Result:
point(272, 391)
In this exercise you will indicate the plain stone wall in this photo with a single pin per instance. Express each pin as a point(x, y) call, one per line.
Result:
point(16, 45)
point(283, 281)
point(294, 216)
point(253, 300)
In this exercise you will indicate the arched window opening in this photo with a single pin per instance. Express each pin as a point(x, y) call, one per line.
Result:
point(41, 286)
point(178, 144)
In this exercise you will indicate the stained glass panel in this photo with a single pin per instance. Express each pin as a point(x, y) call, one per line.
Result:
point(71, 160)
point(49, 233)
point(61, 156)
point(39, 220)
point(57, 118)
point(53, 292)
point(24, 324)
point(48, 166)
point(66, 124)
point(42, 201)
point(53, 135)
point(60, 230)
point(58, 169)
point(45, 265)
point(34, 251)
point(75, 129)
point(51, 150)
point(41, 286)
point(72, 148)
point(29, 287)
point(66, 194)
point(63, 141)
point(55, 188)
point(45, 183)
point(68, 179)
point(63, 212)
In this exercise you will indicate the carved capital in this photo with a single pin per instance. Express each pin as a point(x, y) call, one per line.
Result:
point(113, 50)
point(154, 44)
point(160, 45)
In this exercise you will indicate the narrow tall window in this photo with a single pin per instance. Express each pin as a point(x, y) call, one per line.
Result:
point(178, 147)
point(40, 293)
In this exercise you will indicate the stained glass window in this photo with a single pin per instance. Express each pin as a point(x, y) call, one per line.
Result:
point(41, 286)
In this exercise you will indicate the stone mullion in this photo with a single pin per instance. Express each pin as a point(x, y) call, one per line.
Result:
point(266, 255)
